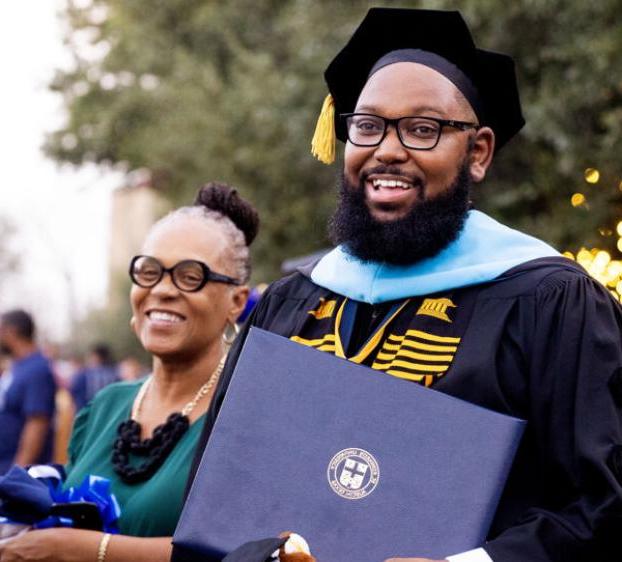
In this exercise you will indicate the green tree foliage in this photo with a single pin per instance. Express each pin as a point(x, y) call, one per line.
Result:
point(203, 89)
point(570, 75)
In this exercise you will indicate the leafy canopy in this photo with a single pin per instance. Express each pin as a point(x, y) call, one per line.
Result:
point(201, 89)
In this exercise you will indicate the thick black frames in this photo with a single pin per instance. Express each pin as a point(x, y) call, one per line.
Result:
point(427, 135)
point(157, 271)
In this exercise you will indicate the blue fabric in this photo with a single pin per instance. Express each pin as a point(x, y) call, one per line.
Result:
point(31, 392)
point(25, 498)
point(94, 489)
point(482, 252)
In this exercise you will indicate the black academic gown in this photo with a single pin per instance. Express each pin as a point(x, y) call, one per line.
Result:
point(542, 343)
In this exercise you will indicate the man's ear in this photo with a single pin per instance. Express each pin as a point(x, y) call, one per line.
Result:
point(483, 148)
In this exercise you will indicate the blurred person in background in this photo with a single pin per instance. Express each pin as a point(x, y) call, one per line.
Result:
point(64, 366)
point(131, 369)
point(100, 372)
point(190, 286)
point(27, 394)
point(64, 369)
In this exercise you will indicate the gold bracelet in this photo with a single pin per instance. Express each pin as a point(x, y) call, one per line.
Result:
point(103, 545)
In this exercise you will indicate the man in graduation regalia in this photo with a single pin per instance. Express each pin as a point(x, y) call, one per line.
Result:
point(425, 288)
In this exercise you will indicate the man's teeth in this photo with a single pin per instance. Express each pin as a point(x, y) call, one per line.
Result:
point(391, 183)
point(164, 316)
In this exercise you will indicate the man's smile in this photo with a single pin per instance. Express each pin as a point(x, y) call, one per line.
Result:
point(390, 184)
point(383, 190)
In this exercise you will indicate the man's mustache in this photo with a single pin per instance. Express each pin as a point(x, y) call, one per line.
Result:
point(390, 171)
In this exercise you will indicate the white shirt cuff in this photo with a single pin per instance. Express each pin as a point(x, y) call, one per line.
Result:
point(477, 555)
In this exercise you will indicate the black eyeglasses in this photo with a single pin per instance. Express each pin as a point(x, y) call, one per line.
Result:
point(418, 133)
point(187, 275)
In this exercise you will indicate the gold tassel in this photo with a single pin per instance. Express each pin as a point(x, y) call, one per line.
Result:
point(323, 143)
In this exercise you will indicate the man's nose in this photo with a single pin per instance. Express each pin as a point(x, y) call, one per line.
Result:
point(391, 148)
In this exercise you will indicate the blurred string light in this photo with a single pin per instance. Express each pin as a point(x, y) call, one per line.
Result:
point(597, 262)
point(577, 199)
point(600, 265)
point(591, 175)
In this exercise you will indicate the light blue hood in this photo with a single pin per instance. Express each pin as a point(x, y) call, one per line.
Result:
point(483, 250)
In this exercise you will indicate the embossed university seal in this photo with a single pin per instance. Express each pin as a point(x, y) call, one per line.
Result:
point(353, 473)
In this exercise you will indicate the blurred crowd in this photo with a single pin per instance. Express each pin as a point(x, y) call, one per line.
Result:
point(42, 388)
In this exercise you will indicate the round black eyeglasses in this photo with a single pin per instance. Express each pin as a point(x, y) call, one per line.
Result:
point(416, 132)
point(187, 275)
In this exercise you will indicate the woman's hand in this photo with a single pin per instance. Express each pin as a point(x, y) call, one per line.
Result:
point(50, 545)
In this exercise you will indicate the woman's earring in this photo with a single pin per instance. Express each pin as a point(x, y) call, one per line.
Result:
point(133, 323)
point(231, 332)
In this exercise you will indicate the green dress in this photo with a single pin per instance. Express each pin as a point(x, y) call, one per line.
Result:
point(150, 508)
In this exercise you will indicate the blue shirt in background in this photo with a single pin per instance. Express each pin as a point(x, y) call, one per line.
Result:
point(27, 389)
point(87, 383)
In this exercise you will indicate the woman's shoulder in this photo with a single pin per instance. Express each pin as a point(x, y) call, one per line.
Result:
point(110, 403)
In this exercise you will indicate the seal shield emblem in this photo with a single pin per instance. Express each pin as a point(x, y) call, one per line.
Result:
point(353, 473)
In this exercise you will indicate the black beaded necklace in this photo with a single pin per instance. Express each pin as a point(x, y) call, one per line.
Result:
point(163, 440)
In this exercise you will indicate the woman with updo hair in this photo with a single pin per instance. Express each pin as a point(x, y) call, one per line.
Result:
point(189, 287)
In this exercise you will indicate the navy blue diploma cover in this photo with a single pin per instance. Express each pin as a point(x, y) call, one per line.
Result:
point(363, 465)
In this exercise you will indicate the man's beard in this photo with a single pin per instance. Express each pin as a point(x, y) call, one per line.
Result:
point(429, 227)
